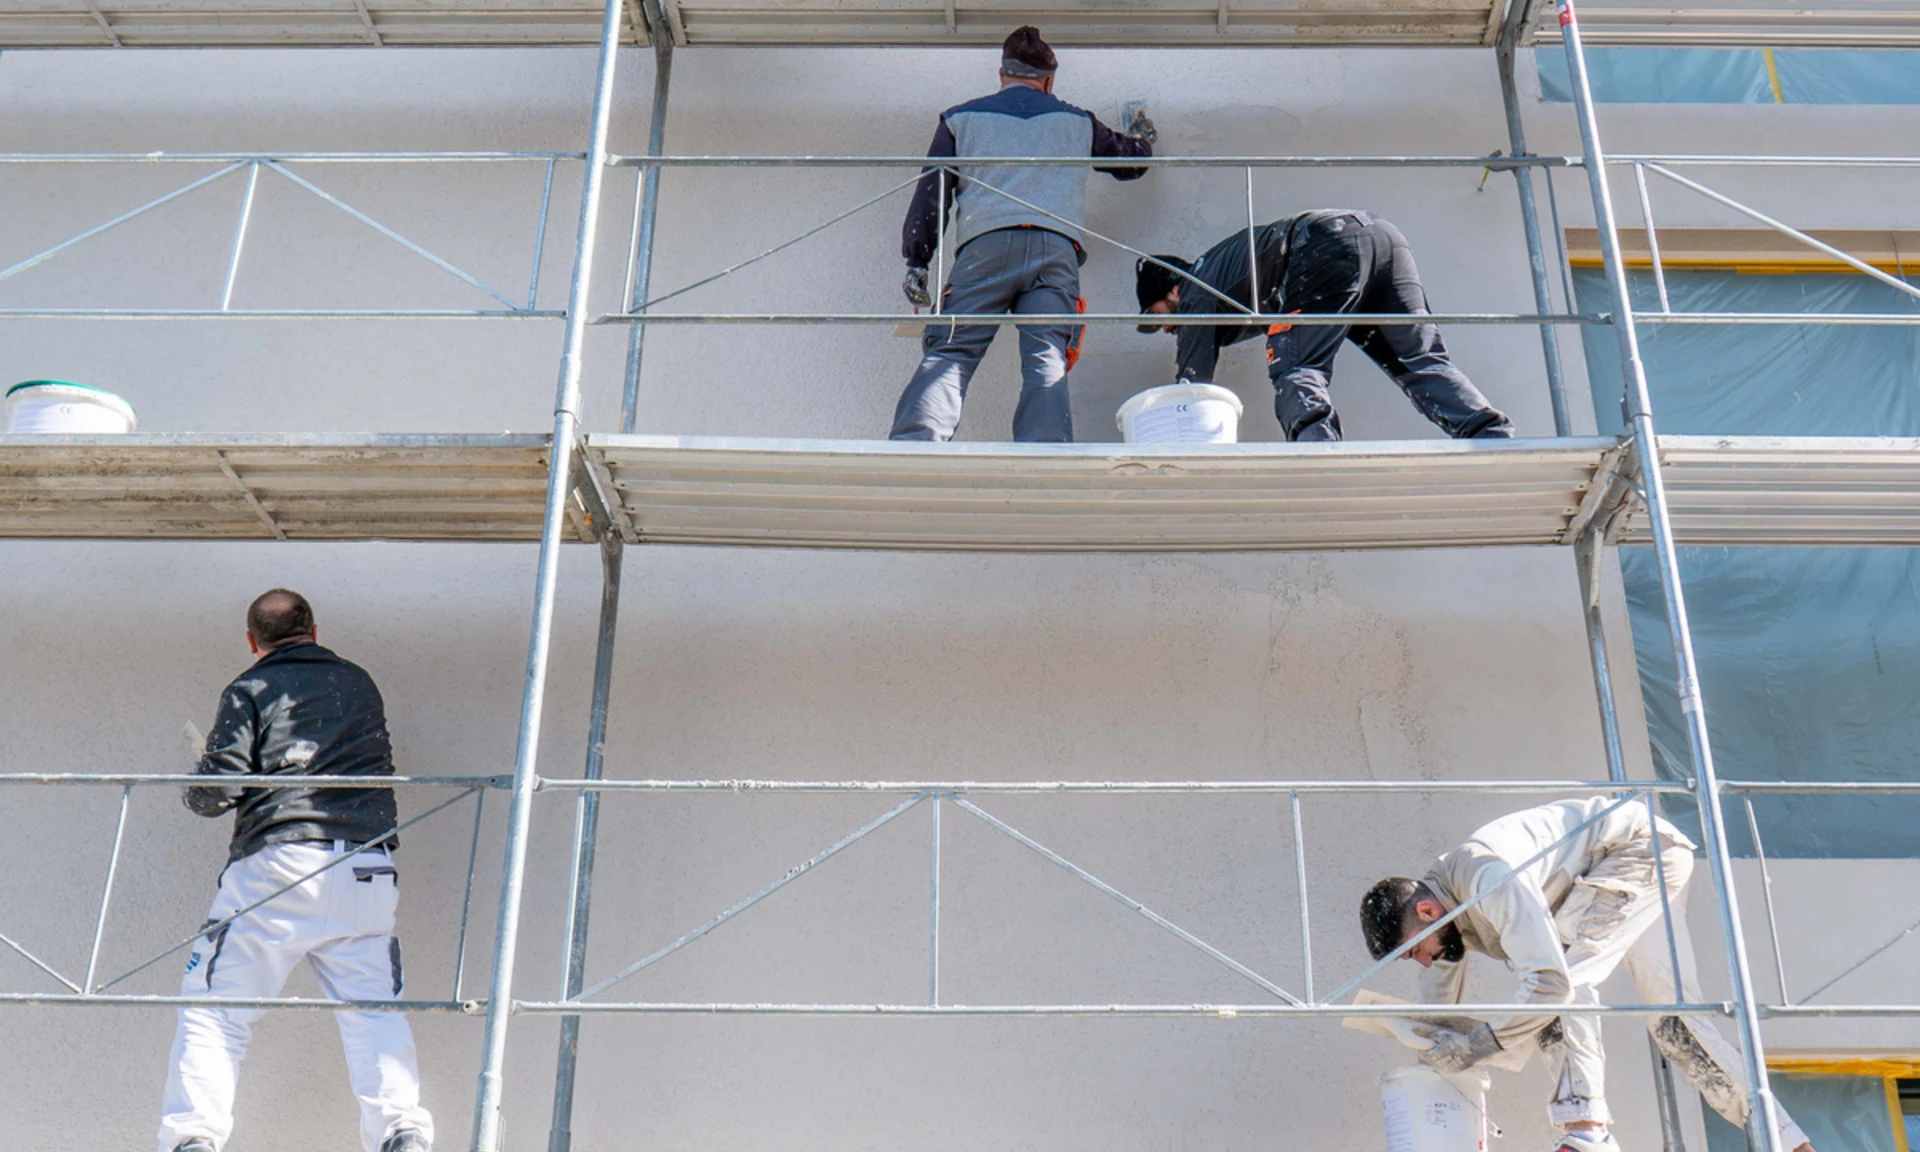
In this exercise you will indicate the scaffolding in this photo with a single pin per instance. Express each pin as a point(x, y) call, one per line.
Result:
point(624, 488)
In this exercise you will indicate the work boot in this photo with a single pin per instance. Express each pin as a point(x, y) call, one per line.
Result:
point(405, 1140)
point(197, 1144)
point(1586, 1141)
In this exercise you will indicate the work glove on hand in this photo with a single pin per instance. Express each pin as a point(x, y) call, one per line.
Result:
point(915, 286)
point(1142, 127)
point(1458, 1051)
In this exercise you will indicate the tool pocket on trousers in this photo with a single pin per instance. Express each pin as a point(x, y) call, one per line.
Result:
point(376, 896)
point(1591, 912)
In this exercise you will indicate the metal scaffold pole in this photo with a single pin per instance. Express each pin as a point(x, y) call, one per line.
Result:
point(1517, 17)
point(612, 556)
point(566, 423)
point(1762, 1120)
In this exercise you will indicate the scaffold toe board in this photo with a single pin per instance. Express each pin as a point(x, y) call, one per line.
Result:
point(299, 23)
point(936, 23)
point(1099, 497)
point(211, 487)
point(1797, 491)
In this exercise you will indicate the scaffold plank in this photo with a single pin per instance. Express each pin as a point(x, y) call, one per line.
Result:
point(386, 487)
point(1098, 497)
point(937, 23)
point(1790, 491)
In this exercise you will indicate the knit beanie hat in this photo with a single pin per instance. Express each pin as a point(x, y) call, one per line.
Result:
point(1151, 282)
point(1026, 55)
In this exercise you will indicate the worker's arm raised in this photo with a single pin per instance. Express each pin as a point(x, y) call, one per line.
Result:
point(229, 752)
point(1136, 141)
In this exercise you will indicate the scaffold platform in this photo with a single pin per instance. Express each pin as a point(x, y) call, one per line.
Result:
point(995, 497)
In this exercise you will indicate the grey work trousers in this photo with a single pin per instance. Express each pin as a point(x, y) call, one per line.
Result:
point(1013, 270)
point(1614, 915)
point(1354, 263)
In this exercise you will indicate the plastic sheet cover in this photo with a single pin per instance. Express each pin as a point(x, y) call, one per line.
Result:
point(1838, 1114)
point(1737, 76)
point(1808, 657)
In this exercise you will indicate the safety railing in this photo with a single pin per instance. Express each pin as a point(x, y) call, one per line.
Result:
point(283, 165)
point(91, 989)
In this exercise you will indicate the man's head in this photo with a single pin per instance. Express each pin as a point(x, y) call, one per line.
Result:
point(1026, 59)
point(278, 618)
point(1157, 287)
point(1398, 909)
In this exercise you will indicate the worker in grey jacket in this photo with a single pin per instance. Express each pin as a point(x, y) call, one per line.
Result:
point(1329, 260)
point(1016, 242)
point(1566, 893)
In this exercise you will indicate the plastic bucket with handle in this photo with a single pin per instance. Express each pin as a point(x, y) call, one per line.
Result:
point(1181, 414)
point(1425, 1112)
point(58, 406)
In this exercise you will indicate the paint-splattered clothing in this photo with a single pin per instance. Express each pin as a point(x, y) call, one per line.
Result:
point(1590, 903)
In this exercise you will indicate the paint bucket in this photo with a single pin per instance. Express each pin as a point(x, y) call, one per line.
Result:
point(1181, 414)
point(1425, 1112)
point(39, 406)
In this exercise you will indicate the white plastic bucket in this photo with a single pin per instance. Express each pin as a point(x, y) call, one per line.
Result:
point(1426, 1113)
point(1181, 414)
point(57, 406)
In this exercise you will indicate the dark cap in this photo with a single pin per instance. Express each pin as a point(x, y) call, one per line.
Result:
point(1026, 55)
point(1152, 282)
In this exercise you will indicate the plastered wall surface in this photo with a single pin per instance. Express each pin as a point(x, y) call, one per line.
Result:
point(737, 663)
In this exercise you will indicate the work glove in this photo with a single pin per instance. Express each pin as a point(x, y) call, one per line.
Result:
point(915, 286)
point(1455, 1052)
point(1142, 127)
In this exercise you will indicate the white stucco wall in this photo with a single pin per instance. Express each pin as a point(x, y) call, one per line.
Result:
point(764, 664)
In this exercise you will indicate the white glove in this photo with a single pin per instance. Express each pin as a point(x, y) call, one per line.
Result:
point(915, 286)
point(1455, 1052)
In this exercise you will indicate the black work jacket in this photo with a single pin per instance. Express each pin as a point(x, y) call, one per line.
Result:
point(299, 711)
point(1224, 267)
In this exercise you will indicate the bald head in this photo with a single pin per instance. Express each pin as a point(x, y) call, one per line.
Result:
point(277, 618)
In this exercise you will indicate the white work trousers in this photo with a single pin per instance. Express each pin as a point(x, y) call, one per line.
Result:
point(341, 922)
point(1613, 914)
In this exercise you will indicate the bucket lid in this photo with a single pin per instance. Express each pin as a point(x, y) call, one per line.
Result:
point(1185, 390)
point(79, 391)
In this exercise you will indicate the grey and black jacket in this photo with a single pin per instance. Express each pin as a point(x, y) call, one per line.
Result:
point(1015, 121)
point(299, 711)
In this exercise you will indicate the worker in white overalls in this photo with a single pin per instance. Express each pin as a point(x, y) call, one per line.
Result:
point(299, 710)
point(1567, 892)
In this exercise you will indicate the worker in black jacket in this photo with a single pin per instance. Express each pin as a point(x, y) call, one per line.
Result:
point(298, 711)
point(1324, 261)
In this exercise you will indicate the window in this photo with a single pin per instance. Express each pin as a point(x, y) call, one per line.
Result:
point(1737, 76)
point(1845, 1106)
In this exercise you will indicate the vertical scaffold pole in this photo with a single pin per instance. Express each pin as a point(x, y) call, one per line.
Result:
point(642, 270)
point(586, 824)
point(1517, 16)
point(1762, 1121)
point(586, 829)
point(566, 424)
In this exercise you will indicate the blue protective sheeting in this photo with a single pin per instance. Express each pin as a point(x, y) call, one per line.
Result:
point(1838, 1114)
point(1737, 76)
point(1808, 657)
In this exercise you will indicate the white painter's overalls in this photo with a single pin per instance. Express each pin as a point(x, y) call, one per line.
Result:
point(1565, 923)
point(341, 922)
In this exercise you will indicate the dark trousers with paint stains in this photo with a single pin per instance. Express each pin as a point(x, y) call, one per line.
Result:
point(1352, 262)
point(1612, 916)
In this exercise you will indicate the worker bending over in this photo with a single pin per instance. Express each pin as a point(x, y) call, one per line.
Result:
point(1563, 922)
point(1324, 261)
point(1016, 242)
point(298, 711)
